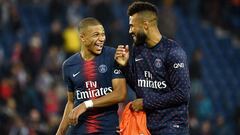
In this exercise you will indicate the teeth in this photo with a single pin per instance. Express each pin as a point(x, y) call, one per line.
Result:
point(100, 46)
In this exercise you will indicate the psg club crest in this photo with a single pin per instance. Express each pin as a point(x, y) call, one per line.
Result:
point(158, 63)
point(102, 68)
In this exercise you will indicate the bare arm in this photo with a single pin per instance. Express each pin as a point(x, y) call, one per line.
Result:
point(118, 95)
point(68, 108)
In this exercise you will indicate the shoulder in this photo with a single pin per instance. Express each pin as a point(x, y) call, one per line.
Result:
point(107, 55)
point(172, 46)
point(170, 43)
point(108, 51)
point(174, 49)
point(72, 60)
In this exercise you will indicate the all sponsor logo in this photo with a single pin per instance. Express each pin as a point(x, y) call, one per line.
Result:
point(149, 82)
point(92, 91)
point(117, 71)
point(178, 65)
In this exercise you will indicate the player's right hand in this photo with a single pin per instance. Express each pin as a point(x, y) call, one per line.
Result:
point(122, 55)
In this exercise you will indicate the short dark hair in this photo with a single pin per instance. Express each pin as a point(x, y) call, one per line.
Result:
point(140, 6)
point(89, 21)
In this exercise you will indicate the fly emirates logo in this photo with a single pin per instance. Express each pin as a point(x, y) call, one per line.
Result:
point(92, 91)
point(149, 83)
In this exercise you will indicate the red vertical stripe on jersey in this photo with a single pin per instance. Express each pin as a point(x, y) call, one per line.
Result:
point(90, 70)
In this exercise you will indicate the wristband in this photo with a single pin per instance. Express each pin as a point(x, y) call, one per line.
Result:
point(88, 103)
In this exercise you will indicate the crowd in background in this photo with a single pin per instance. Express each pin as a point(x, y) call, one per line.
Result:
point(32, 94)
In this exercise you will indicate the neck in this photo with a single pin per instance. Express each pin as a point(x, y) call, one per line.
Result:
point(86, 55)
point(153, 38)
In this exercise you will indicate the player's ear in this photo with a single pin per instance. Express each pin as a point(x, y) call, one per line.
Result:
point(145, 25)
point(81, 37)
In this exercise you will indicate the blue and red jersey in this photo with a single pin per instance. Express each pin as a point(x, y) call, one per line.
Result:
point(89, 80)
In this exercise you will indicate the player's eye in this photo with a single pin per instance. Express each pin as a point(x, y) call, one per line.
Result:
point(95, 34)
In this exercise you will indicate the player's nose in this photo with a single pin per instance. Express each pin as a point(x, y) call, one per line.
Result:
point(102, 38)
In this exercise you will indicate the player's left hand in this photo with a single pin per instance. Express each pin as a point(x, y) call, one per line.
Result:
point(137, 104)
point(75, 113)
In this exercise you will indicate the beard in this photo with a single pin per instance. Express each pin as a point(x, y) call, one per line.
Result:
point(140, 38)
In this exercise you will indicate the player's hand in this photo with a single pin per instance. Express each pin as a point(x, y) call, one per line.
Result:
point(118, 131)
point(75, 113)
point(137, 104)
point(122, 55)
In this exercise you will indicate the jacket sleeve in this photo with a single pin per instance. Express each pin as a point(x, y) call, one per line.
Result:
point(177, 79)
point(128, 72)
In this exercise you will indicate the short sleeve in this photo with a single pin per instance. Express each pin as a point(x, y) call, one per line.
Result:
point(116, 72)
point(66, 78)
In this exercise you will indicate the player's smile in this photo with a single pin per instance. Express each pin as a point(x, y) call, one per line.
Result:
point(99, 46)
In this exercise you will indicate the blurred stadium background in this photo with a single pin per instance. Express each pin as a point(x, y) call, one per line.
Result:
point(36, 36)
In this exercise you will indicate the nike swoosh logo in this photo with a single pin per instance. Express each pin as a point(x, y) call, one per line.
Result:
point(138, 59)
point(74, 75)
